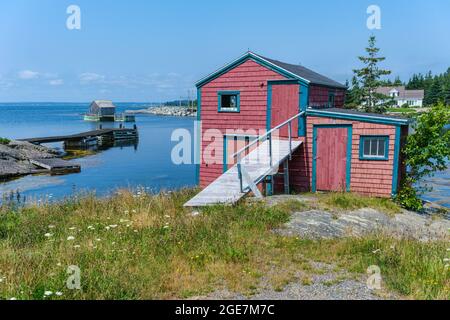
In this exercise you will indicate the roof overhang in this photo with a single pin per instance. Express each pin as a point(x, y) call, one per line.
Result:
point(249, 56)
point(358, 117)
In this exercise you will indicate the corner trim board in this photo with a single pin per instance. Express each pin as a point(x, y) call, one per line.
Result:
point(397, 146)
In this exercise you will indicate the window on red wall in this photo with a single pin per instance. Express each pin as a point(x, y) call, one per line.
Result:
point(331, 100)
point(229, 101)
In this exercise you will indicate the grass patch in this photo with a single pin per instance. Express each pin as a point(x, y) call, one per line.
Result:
point(408, 267)
point(142, 246)
point(4, 141)
point(351, 201)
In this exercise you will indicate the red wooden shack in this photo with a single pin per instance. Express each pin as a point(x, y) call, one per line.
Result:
point(334, 149)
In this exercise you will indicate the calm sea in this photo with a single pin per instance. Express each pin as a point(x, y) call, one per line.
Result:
point(147, 164)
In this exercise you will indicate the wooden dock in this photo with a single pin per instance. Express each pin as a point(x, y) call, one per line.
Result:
point(56, 165)
point(111, 133)
point(226, 189)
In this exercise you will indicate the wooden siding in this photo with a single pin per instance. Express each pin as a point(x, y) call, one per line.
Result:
point(331, 163)
point(284, 104)
point(250, 79)
point(367, 176)
point(318, 96)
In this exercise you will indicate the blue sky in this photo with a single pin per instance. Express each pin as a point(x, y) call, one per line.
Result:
point(140, 50)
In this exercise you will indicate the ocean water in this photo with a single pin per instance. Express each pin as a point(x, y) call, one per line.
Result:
point(147, 164)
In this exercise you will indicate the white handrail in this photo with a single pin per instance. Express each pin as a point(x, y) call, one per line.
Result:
point(267, 135)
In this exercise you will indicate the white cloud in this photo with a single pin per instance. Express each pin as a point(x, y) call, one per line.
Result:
point(90, 77)
point(28, 74)
point(56, 82)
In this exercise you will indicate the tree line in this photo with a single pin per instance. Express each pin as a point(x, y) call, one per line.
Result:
point(362, 93)
point(437, 87)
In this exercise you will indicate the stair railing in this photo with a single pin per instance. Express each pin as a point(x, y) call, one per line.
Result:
point(242, 173)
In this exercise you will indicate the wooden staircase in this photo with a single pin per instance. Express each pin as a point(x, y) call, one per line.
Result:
point(264, 156)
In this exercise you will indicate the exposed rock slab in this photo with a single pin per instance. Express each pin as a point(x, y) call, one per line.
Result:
point(15, 158)
point(317, 224)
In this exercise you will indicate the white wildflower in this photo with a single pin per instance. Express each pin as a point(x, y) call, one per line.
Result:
point(48, 293)
point(77, 246)
point(72, 228)
point(12, 299)
point(113, 226)
point(70, 238)
point(51, 226)
point(48, 235)
point(58, 293)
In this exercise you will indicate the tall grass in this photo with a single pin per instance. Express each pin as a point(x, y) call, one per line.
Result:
point(142, 246)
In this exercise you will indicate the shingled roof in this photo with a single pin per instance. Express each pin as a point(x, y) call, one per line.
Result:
point(287, 69)
point(305, 73)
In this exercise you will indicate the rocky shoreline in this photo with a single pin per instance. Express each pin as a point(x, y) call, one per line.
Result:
point(166, 111)
point(15, 158)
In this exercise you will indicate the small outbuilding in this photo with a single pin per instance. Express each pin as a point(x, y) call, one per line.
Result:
point(101, 110)
point(267, 126)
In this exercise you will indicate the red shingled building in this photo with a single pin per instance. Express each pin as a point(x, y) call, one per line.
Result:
point(341, 150)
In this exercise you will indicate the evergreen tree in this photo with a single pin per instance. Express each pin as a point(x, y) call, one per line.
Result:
point(447, 93)
point(369, 78)
point(397, 82)
point(434, 93)
point(353, 96)
point(348, 97)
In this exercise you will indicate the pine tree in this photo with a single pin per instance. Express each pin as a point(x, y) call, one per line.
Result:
point(369, 78)
point(397, 82)
point(434, 93)
point(447, 94)
point(353, 96)
point(348, 96)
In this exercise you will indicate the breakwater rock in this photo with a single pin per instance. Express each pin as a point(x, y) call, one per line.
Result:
point(166, 111)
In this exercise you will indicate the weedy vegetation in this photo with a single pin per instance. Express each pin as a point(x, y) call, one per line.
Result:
point(135, 245)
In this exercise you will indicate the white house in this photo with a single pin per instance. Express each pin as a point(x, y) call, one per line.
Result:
point(401, 96)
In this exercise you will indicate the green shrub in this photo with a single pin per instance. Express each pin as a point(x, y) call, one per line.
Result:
point(4, 140)
point(408, 198)
point(427, 151)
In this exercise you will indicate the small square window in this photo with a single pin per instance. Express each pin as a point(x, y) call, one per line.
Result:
point(229, 101)
point(374, 148)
